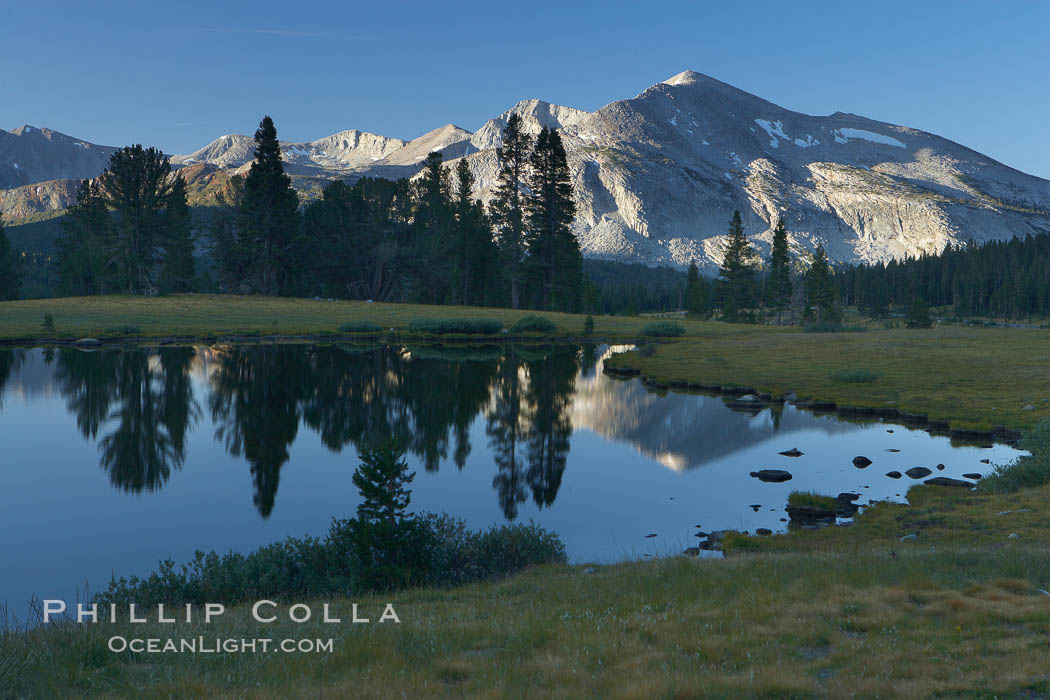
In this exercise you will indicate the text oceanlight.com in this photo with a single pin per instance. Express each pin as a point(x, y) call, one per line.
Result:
point(202, 645)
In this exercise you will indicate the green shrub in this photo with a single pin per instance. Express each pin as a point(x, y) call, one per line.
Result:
point(855, 376)
point(588, 325)
point(446, 552)
point(439, 326)
point(663, 329)
point(124, 330)
point(533, 323)
point(1027, 471)
point(360, 327)
point(49, 323)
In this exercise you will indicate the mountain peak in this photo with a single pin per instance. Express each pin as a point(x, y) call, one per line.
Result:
point(686, 77)
point(24, 129)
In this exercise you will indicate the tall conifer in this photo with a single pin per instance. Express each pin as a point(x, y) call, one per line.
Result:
point(268, 219)
point(695, 292)
point(177, 265)
point(737, 273)
point(554, 264)
point(507, 208)
point(779, 288)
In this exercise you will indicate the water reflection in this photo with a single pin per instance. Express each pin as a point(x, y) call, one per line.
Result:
point(139, 406)
point(147, 399)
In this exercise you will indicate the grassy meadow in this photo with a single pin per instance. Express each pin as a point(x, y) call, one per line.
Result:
point(915, 621)
point(959, 607)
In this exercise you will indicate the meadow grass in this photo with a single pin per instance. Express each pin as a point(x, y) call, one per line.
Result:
point(974, 378)
point(951, 621)
point(204, 315)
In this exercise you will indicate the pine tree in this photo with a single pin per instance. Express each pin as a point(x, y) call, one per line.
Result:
point(918, 314)
point(554, 263)
point(10, 274)
point(136, 188)
point(78, 251)
point(475, 250)
point(268, 219)
point(434, 245)
point(507, 208)
point(821, 290)
point(227, 250)
point(383, 533)
point(779, 288)
point(177, 265)
point(695, 292)
point(737, 273)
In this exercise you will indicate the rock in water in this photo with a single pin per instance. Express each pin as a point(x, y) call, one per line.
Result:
point(973, 475)
point(948, 481)
point(894, 474)
point(860, 461)
point(772, 475)
point(918, 472)
point(793, 452)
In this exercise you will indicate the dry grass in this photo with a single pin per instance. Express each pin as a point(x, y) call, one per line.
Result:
point(958, 620)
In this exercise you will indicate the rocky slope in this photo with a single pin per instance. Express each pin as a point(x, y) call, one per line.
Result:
point(658, 176)
point(30, 155)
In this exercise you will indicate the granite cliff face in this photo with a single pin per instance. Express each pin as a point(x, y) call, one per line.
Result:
point(658, 176)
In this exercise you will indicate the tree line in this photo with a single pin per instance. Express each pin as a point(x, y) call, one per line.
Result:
point(1000, 279)
point(427, 240)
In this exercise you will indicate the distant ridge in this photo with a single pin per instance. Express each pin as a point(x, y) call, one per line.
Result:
point(658, 176)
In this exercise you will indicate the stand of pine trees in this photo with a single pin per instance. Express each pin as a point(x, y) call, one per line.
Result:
point(130, 230)
point(427, 240)
point(1000, 279)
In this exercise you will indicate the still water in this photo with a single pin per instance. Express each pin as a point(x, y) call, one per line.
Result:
point(116, 459)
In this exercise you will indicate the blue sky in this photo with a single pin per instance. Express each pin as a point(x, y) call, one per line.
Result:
point(177, 75)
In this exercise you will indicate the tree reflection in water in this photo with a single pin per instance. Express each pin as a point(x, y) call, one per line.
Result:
point(139, 405)
point(149, 399)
